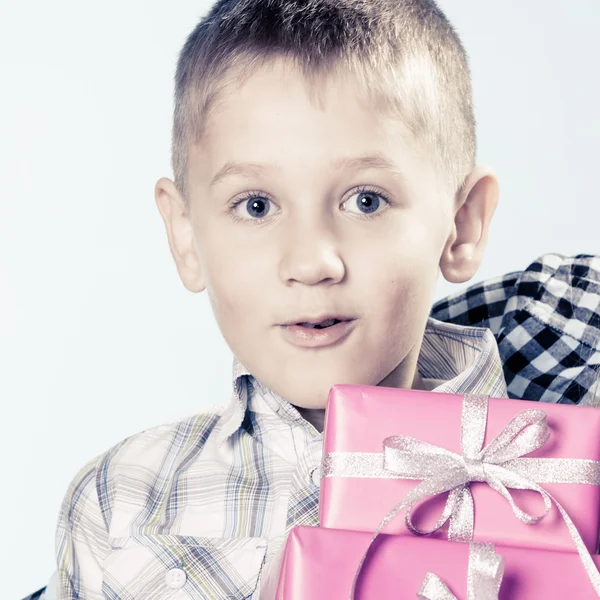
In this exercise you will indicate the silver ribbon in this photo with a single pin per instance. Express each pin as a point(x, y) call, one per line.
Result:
point(484, 577)
point(499, 465)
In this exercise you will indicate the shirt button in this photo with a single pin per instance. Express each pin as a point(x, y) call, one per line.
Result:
point(315, 476)
point(175, 578)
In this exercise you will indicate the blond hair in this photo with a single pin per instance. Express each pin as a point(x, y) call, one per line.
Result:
point(403, 53)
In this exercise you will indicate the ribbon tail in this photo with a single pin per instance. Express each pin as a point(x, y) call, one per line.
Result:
point(486, 570)
point(485, 573)
point(428, 487)
point(588, 562)
point(433, 588)
point(462, 518)
point(515, 481)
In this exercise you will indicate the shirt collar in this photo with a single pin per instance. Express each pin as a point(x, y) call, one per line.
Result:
point(465, 357)
point(234, 413)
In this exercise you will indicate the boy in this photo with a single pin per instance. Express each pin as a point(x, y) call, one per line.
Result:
point(323, 154)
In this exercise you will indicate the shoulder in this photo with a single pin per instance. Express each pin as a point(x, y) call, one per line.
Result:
point(145, 446)
point(139, 456)
point(481, 304)
point(559, 286)
point(562, 292)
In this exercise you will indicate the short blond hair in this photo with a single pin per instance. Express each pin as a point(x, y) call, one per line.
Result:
point(404, 53)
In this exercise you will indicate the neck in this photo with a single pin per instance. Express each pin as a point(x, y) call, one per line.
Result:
point(315, 416)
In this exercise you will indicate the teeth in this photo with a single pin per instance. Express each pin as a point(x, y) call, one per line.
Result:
point(322, 325)
point(328, 323)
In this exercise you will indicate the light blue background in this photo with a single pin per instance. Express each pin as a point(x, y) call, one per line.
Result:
point(98, 337)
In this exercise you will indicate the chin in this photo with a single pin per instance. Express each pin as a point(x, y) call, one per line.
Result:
point(310, 400)
point(313, 395)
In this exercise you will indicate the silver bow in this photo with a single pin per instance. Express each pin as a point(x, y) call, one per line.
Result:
point(484, 577)
point(499, 464)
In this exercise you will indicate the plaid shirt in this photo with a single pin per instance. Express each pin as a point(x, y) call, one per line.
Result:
point(194, 509)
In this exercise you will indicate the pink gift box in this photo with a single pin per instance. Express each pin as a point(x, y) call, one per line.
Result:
point(319, 564)
point(359, 418)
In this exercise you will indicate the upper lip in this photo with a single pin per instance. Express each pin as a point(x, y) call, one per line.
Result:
point(315, 320)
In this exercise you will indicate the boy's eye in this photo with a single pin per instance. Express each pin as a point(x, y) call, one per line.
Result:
point(258, 207)
point(364, 202)
point(255, 206)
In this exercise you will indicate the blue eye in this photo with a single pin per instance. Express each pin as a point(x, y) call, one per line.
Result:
point(258, 207)
point(367, 202)
point(252, 208)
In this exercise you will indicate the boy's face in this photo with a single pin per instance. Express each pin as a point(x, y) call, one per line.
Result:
point(316, 240)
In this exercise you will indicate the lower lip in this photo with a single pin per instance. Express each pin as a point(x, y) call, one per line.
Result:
point(317, 338)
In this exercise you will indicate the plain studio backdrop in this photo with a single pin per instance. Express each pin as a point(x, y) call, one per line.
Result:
point(98, 337)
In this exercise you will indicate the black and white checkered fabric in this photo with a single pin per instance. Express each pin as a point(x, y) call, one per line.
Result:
point(546, 320)
point(36, 595)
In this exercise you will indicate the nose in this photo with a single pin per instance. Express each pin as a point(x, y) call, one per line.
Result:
point(311, 256)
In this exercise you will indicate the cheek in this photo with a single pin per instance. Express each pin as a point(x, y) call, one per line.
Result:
point(398, 298)
point(235, 284)
point(396, 265)
point(397, 287)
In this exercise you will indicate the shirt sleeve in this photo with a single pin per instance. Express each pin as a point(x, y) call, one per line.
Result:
point(81, 539)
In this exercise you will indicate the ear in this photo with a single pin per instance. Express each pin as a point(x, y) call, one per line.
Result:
point(476, 201)
point(180, 234)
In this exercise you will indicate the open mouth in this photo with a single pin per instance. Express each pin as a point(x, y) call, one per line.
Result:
point(319, 334)
point(323, 325)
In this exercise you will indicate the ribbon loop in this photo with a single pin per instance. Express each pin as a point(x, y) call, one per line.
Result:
point(526, 432)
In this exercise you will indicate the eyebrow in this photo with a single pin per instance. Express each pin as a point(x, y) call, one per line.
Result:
point(370, 161)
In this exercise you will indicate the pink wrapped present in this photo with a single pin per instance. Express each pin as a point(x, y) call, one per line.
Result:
point(320, 564)
point(381, 443)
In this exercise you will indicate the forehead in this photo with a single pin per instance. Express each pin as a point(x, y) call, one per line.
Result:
point(277, 115)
